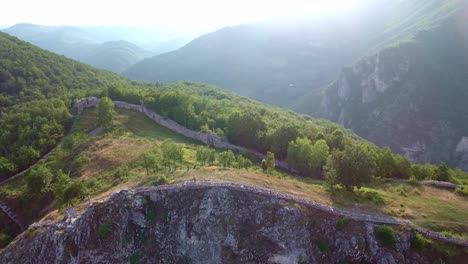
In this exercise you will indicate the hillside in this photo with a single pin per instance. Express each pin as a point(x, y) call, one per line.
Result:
point(82, 44)
point(281, 62)
point(411, 96)
point(115, 160)
point(101, 150)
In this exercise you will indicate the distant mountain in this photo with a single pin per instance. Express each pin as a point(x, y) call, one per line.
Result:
point(83, 44)
point(281, 62)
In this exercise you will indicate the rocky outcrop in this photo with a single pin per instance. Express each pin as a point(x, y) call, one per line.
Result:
point(402, 97)
point(208, 223)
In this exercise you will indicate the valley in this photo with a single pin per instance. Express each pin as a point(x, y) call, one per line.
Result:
point(307, 132)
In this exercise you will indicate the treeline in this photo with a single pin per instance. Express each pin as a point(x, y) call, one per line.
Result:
point(28, 131)
point(312, 147)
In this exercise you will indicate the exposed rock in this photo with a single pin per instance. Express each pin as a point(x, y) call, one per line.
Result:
point(206, 223)
point(398, 98)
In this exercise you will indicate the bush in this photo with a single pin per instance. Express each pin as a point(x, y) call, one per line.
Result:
point(462, 190)
point(419, 242)
point(322, 245)
point(386, 235)
point(134, 258)
point(342, 222)
point(104, 229)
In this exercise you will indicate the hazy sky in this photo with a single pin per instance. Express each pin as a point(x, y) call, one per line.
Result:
point(195, 14)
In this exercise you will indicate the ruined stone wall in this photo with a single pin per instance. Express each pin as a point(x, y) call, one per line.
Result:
point(210, 139)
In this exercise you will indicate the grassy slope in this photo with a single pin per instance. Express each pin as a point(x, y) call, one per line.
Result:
point(438, 209)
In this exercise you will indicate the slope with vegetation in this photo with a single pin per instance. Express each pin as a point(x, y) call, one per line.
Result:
point(129, 150)
point(83, 44)
point(410, 97)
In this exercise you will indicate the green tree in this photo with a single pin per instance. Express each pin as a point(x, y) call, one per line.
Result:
point(306, 157)
point(270, 161)
point(226, 158)
point(202, 155)
point(264, 165)
point(442, 173)
point(245, 128)
point(151, 161)
point(105, 112)
point(172, 153)
point(336, 139)
point(60, 184)
point(39, 179)
point(351, 167)
point(280, 139)
point(75, 192)
point(6, 166)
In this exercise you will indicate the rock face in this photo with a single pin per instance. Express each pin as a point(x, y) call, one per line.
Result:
point(410, 97)
point(192, 223)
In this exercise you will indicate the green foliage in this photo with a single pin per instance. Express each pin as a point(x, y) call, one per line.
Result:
point(6, 166)
point(5, 238)
point(152, 159)
point(462, 190)
point(151, 214)
point(134, 258)
point(280, 138)
point(342, 222)
point(28, 131)
point(419, 242)
point(442, 173)
point(104, 229)
point(336, 139)
point(243, 163)
point(306, 157)
point(205, 155)
point(76, 191)
point(172, 153)
point(226, 158)
point(270, 161)
point(351, 167)
point(322, 245)
point(38, 180)
point(386, 236)
point(392, 166)
point(244, 128)
point(105, 112)
point(264, 165)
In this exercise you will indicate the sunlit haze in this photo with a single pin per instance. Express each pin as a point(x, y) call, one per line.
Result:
point(190, 15)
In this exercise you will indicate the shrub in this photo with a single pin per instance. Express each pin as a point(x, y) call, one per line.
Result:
point(342, 222)
point(161, 180)
point(151, 214)
point(134, 258)
point(386, 235)
point(322, 245)
point(462, 190)
point(418, 242)
point(104, 229)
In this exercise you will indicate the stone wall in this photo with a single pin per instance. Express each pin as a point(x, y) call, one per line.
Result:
point(210, 139)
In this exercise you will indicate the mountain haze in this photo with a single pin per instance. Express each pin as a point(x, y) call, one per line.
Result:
point(88, 45)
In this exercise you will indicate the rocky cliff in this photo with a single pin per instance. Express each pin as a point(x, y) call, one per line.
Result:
point(209, 223)
point(411, 96)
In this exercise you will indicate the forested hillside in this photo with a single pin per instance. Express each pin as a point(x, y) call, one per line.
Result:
point(410, 96)
point(82, 44)
point(37, 89)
